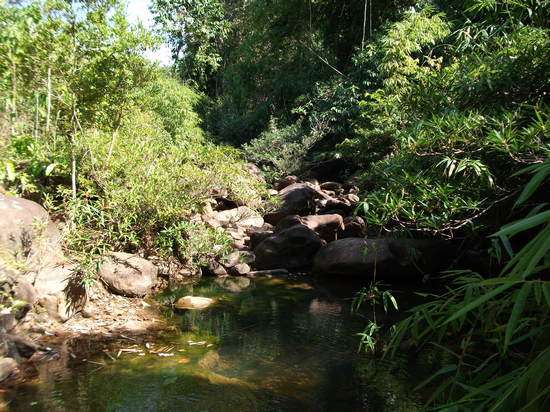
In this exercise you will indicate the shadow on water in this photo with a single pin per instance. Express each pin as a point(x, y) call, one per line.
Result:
point(278, 345)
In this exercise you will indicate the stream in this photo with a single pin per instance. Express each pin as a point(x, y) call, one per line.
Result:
point(278, 345)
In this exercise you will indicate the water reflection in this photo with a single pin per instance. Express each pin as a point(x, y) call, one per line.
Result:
point(275, 345)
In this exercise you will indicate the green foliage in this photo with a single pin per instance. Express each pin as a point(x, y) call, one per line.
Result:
point(496, 329)
point(258, 57)
point(139, 196)
point(280, 151)
point(375, 296)
point(105, 138)
point(198, 29)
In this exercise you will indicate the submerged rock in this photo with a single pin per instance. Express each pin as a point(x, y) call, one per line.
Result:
point(193, 302)
point(233, 284)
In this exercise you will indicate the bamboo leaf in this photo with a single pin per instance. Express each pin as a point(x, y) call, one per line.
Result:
point(524, 224)
point(482, 299)
point(443, 370)
point(516, 313)
point(546, 292)
point(533, 184)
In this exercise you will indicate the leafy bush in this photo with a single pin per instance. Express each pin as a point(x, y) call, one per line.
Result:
point(106, 140)
point(494, 329)
point(280, 151)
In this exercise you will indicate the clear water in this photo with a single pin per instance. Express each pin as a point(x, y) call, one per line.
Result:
point(278, 345)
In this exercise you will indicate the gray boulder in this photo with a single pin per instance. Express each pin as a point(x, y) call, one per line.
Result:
point(292, 248)
point(60, 291)
point(352, 257)
point(391, 258)
point(7, 367)
point(128, 275)
point(28, 238)
point(296, 199)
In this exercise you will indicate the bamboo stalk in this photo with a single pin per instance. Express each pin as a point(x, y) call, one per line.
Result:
point(48, 100)
point(36, 114)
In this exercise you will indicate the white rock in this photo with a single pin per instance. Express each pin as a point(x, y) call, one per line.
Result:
point(193, 302)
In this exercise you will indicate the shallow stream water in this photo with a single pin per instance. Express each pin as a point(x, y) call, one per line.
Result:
point(277, 345)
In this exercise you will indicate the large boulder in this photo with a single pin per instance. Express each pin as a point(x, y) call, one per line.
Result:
point(60, 291)
point(326, 226)
point(352, 257)
point(8, 366)
point(29, 240)
point(292, 248)
point(390, 258)
point(128, 275)
point(257, 235)
point(241, 216)
point(296, 199)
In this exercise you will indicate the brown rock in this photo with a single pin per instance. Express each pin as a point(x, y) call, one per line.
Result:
point(286, 181)
point(331, 186)
point(217, 269)
point(241, 269)
point(8, 366)
point(128, 275)
point(354, 226)
point(297, 199)
point(340, 206)
point(352, 198)
point(257, 235)
point(326, 226)
point(28, 238)
point(240, 256)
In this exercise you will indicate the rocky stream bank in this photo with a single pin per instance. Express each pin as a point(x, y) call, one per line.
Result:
point(310, 228)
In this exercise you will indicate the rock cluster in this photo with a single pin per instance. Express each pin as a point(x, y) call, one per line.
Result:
point(35, 274)
point(312, 227)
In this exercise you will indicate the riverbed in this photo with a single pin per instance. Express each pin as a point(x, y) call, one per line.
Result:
point(280, 344)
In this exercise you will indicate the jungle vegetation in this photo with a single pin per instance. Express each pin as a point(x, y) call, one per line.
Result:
point(438, 110)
